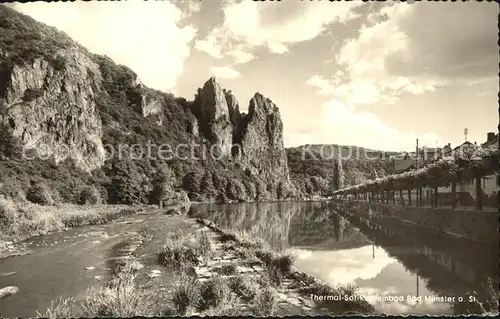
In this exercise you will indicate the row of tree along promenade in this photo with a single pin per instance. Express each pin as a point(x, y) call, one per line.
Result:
point(406, 189)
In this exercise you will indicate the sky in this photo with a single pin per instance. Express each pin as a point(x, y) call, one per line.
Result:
point(371, 74)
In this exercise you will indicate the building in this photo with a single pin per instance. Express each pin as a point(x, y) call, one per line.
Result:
point(450, 152)
point(466, 191)
point(445, 150)
point(491, 141)
point(429, 154)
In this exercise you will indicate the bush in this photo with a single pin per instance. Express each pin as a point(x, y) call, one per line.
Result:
point(214, 293)
point(186, 295)
point(177, 253)
point(90, 196)
point(204, 244)
point(244, 286)
point(61, 308)
point(121, 297)
point(39, 193)
point(266, 302)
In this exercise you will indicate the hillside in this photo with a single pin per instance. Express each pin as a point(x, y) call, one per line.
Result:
point(76, 127)
point(314, 169)
point(67, 108)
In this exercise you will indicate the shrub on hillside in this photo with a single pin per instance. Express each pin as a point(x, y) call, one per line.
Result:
point(251, 191)
point(39, 193)
point(12, 188)
point(162, 186)
point(261, 190)
point(191, 184)
point(90, 195)
point(236, 190)
point(127, 184)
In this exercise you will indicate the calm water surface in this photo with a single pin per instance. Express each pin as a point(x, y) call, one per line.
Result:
point(383, 257)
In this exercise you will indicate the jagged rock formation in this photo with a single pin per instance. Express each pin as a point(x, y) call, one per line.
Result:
point(255, 140)
point(52, 109)
point(212, 110)
point(262, 140)
point(150, 105)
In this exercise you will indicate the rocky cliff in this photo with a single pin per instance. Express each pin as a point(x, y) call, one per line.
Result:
point(49, 104)
point(253, 140)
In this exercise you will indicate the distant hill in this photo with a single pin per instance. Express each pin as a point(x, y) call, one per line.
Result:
point(314, 168)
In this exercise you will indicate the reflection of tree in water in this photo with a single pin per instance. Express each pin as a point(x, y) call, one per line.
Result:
point(270, 221)
point(462, 269)
point(285, 224)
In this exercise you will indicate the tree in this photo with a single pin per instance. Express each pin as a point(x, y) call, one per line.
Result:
point(191, 184)
point(236, 190)
point(39, 193)
point(339, 174)
point(207, 187)
point(126, 183)
point(250, 189)
point(162, 185)
point(90, 195)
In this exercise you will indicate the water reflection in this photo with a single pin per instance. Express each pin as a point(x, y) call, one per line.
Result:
point(380, 255)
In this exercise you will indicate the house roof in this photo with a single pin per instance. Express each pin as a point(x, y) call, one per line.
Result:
point(463, 144)
point(491, 144)
point(431, 149)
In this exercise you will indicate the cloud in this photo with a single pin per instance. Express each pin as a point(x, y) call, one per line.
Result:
point(324, 85)
point(277, 47)
point(145, 36)
point(343, 266)
point(413, 48)
point(352, 126)
point(225, 72)
point(209, 46)
point(249, 24)
point(240, 56)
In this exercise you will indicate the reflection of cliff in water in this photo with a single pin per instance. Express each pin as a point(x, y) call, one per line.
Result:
point(286, 224)
point(450, 266)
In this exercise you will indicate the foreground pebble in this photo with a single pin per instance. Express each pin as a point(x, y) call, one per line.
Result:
point(8, 291)
point(154, 273)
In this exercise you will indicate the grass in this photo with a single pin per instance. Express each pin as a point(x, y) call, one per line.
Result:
point(61, 308)
point(341, 306)
point(20, 221)
point(490, 307)
point(265, 302)
point(227, 270)
point(244, 286)
point(179, 251)
point(186, 296)
point(121, 297)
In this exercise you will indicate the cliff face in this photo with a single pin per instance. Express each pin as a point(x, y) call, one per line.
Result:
point(52, 109)
point(212, 111)
point(262, 140)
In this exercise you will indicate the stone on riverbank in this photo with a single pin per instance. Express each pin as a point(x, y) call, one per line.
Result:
point(8, 291)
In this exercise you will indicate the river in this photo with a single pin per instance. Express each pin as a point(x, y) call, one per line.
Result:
point(380, 256)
